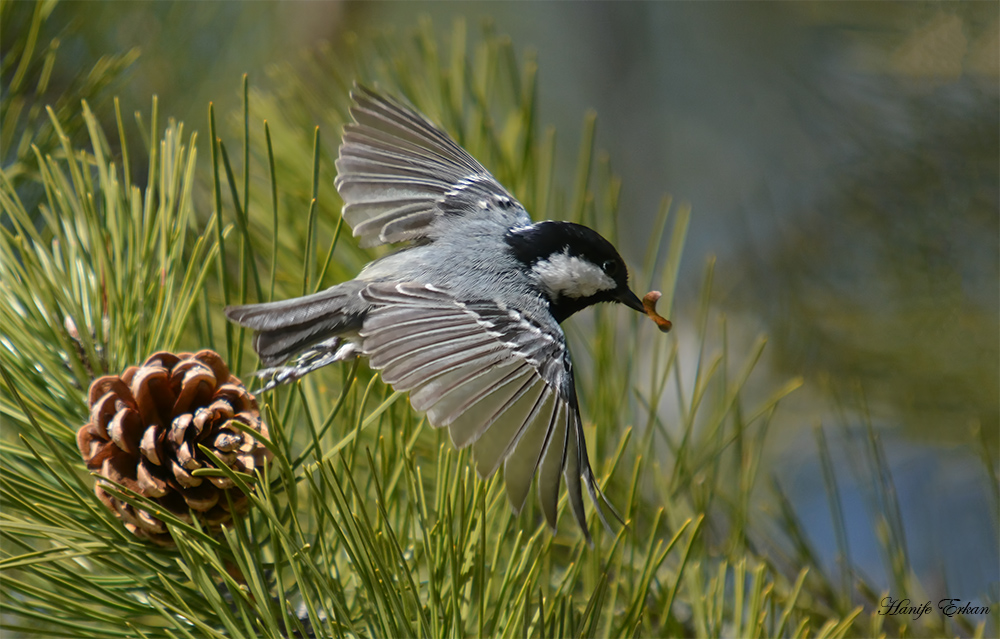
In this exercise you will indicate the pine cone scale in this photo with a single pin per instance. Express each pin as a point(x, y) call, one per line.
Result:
point(126, 430)
point(151, 392)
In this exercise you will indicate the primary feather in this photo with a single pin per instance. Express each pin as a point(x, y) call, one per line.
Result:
point(397, 173)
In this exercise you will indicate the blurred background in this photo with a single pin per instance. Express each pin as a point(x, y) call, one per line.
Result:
point(842, 161)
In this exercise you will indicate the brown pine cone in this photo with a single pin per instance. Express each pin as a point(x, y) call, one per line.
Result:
point(144, 430)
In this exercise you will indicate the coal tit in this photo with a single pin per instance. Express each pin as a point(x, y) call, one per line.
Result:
point(466, 318)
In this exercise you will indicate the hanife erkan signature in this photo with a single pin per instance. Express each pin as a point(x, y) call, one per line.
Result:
point(949, 607)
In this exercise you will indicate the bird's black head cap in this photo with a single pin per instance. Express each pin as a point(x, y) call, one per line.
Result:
point(574, 266)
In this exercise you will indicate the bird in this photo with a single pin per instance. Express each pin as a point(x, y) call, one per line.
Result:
point(465, 316)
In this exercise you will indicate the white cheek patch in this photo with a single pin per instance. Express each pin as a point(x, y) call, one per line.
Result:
point(563, 274)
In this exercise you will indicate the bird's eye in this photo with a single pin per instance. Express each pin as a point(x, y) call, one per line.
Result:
point(610, 267)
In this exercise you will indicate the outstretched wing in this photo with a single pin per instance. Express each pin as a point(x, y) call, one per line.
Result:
point(397, 173)
point(497, 380)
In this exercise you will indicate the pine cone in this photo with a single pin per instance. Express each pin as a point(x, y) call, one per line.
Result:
point(144, 430)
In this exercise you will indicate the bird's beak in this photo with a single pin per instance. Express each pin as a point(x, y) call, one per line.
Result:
point(630, 299)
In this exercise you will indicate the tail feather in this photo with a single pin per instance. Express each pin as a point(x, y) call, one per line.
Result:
point(280, 344)
point(298, 310)
point(285, 328)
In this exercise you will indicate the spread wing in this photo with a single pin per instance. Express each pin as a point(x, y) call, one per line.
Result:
point(497, 380)
point(397, 173)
